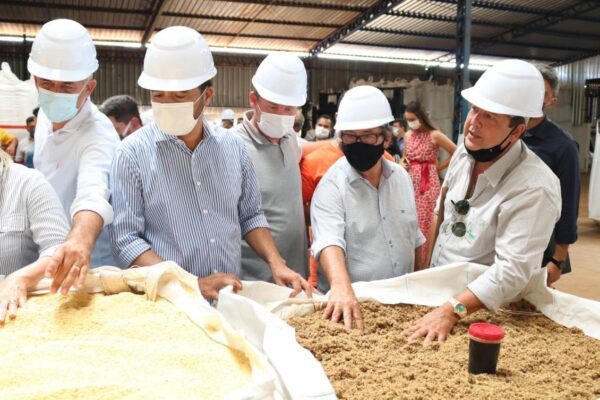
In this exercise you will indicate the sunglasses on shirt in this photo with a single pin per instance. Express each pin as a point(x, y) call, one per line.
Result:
point(459, 229)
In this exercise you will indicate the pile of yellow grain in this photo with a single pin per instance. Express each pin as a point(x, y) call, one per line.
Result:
point(113, 347)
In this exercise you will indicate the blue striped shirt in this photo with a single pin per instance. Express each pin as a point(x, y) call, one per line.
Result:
point(191, 207)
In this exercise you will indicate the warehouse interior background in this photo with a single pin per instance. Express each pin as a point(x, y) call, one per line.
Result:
point(412, 49)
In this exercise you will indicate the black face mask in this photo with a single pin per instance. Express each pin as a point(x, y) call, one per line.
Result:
point(362, 156)
point(490, 154)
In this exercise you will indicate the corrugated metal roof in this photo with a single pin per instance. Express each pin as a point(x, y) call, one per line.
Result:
point(299, 25)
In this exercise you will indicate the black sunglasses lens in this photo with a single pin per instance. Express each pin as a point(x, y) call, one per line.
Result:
point(462, 207)
point(459, 229)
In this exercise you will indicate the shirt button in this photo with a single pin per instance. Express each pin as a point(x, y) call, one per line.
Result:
point(390, 242)
point(205, 211)
point(384, 218)
point(212, 240)
point(198, 183)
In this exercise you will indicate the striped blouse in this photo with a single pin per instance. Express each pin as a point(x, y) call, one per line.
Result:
point(191, 207)
point(32, 220)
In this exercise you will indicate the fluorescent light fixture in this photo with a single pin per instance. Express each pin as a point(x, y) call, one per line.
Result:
point(131, 45)
point(348, 57)
point(15, 39)
point(238, 50)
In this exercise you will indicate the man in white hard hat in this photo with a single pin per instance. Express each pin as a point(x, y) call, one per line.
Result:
point(267, 130)
point(363, 212)
point(74, 144)
point(227, 118)
point(501, 201)
point(184, 190)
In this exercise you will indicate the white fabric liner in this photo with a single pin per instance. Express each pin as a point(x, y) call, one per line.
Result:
point(171, 282)
point(594, 189)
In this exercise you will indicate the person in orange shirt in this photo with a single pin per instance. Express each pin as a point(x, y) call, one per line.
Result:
point(8, 142)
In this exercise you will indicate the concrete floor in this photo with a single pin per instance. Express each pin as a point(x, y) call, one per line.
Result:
point(584, 281)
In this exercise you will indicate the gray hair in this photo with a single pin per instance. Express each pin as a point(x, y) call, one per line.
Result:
point(550, 75)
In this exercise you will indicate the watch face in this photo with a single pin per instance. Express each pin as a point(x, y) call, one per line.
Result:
point(460, 308)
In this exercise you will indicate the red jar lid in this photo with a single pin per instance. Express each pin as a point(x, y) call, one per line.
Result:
point(485, 331)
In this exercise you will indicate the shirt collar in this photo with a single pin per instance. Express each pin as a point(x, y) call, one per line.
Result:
point(354, 175)
point(253, 132)
point(539, 130)
point(161, 136)
point(75, 123)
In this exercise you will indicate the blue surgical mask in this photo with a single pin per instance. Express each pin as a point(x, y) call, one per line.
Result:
point(58, 107)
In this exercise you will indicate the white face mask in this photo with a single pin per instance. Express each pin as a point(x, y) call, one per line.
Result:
point(321, 132)
point(414, 125)
point(275, 125)
point(395, 131)
point(175, 119)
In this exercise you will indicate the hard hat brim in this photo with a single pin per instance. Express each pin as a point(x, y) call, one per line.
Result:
point(475, 98)
point(52, 74)
point(290, 101)
point(174, 85)
point(356, 125)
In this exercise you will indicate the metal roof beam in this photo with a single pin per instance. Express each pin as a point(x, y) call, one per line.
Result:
point(491, 5)
point(474, 40)
point(487, 23)
point(253, 36)
point(157, 9)
point(258, 20)
point(61, 6)
point(578, 57)
point(540, 23)
point(297, 4)
point(379, 8)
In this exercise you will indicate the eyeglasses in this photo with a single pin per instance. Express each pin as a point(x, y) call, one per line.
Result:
point(461, 207)
point(371, 138)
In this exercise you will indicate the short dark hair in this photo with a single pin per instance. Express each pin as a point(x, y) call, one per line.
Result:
point(35, 111)
point(205, 85)
point(325, 116)
point(516, 121)
point(122, 108)
point(402, 123)
point(30, 119)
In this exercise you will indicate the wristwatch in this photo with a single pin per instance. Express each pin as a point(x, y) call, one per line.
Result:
point(459, 308)
point(557, 263)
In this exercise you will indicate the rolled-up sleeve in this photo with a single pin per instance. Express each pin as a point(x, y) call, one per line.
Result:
point(47, 219)
point(327, 217)
point(93, 193)
point(250, 206)
point(525, 224)
point(126, 231)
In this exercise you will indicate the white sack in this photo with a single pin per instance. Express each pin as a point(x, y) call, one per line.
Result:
point(594, 189)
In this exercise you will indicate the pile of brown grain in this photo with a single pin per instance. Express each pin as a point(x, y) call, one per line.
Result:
point(539, 359)
point(113, 347)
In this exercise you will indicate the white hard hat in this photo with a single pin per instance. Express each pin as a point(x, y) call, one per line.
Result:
point(63, 50)
point(178, 58)
point(363, 107)
point(511, 87)
point(227, 114)
point(281, 79)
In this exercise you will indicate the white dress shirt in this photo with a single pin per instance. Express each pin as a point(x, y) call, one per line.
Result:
point(24, 146)
point(32, 222)
point(377, 228)
point(76, 161)
point(512, 213)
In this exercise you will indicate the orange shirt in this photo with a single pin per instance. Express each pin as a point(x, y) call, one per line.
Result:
point(315, 164)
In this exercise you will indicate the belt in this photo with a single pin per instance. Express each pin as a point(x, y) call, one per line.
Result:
point(425, 176)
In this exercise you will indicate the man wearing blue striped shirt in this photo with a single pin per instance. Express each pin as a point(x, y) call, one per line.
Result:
point(182, 189)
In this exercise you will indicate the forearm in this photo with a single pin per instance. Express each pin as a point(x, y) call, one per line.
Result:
point(147, 258)
point(419, 261)
point(86, 227)
point(444, 164)
point(560, 252)
point(333, 263)
point(262, 243)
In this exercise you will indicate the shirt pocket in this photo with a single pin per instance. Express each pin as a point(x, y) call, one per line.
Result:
point(408, 225)
point(12, 232)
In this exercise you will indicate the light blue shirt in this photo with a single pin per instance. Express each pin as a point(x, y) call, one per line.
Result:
point(377, 228)
point(191, 207)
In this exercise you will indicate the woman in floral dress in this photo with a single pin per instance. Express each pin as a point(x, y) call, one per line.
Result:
point(421, 149)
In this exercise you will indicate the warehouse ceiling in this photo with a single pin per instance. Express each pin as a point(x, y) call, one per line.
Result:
point(556, 31)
